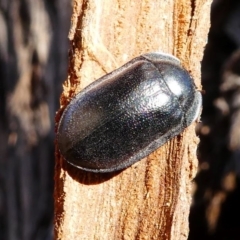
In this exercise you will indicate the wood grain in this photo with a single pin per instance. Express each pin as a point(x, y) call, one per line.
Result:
point(151, 199)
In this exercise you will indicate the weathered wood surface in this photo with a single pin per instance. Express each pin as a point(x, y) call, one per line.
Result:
point(151, 199)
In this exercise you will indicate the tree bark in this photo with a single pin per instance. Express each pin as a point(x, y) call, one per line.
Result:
point(151, 199)
point(33, 64)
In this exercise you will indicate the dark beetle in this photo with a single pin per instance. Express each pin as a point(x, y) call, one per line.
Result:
point(127, 114)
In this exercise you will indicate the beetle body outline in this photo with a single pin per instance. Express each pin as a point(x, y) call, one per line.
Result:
point(125, 115)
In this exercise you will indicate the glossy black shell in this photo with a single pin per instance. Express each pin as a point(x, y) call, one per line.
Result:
point(127, 114)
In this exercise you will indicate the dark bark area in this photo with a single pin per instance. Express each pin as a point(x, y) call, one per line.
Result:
point(215, 210)
point(33, 65)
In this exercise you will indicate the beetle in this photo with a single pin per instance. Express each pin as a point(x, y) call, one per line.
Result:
point(125, 115)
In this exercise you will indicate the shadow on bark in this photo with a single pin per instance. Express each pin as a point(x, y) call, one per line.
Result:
point(33, 65)
point(215, 210)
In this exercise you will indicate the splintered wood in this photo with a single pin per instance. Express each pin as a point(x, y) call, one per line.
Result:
point(150, 199)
